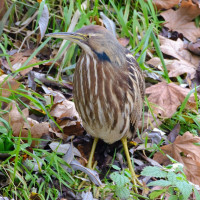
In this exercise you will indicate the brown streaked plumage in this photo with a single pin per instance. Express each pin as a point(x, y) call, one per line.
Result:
point(108, 86)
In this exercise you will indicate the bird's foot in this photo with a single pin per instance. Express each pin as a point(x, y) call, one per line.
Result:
point(135, 180)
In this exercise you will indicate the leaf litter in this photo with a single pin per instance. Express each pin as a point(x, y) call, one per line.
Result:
point(181, 20)
point(185, 149)
point(184, 62)
point(167, 97)
point(18, 59)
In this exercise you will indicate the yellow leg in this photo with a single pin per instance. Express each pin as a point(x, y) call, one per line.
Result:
point(130, 166)
point(89, 164)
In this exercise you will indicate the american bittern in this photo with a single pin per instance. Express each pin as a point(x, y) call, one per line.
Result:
point(108, 87)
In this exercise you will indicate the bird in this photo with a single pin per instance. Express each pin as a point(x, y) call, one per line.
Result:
point(108, 88)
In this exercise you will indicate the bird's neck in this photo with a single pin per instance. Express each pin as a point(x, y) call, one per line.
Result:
point(116, 59)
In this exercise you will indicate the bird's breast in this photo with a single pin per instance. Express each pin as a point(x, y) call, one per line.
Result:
point(100, 96)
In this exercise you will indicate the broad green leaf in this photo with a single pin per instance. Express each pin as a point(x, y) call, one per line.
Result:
point(156, 193)
point(154, 171)
point(122, 192)
point(116, 167)
point(197, 195)
point(185, 188)
point(162, 183)
point(173, 197)
point(119, 179)
point(172, 177)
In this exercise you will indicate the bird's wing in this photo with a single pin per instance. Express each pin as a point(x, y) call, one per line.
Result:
point(136, 89)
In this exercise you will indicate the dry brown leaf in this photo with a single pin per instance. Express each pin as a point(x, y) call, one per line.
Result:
point(174, 133)
point(97, 20)
point(175, 67)
point(178, 67)
point(167, 97)
point(176, 49)
point(20, 126)
point(67, 118)
point(156, 62)
point(37, 130)
point(186, 61)
point(186, 152)
point(9, 84)
point(43, 22)
point(76, 129)
point(181, 20)
point(15, 118)
point(123, 41)
point(18, 59)
point(65, 109)
point(165, 4)
point(194, 47)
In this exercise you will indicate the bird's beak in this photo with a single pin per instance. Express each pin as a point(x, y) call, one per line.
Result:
point(73, 37)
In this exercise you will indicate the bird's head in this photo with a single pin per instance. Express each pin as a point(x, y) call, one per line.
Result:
point(96, 41)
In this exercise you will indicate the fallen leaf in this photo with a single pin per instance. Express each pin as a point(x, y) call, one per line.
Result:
point(15, 118)
point(93, 175)
point(196, 80)
point(175, 67)
point(36, 129)
point(181, 20)
point(67, 118)
point(176, 49)
point(156, 62)
point(58, 95)
point(43, 22)
point(87, 195)
point(31, 163)
point(63, 148)
point(97, 20)
point(194, 47)
point(167, 97)
point(9, 84)
point(184, 58)
point(65, 109)
point(156, 135)
point(109, 24)
point(123, 41)
point(165, 4)
point(18, 59)
point(70, 129)
point(174, 133)
point(21, 124)
point(186, 152)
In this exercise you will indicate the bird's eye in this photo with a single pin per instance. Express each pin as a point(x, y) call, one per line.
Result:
point(87, 36)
